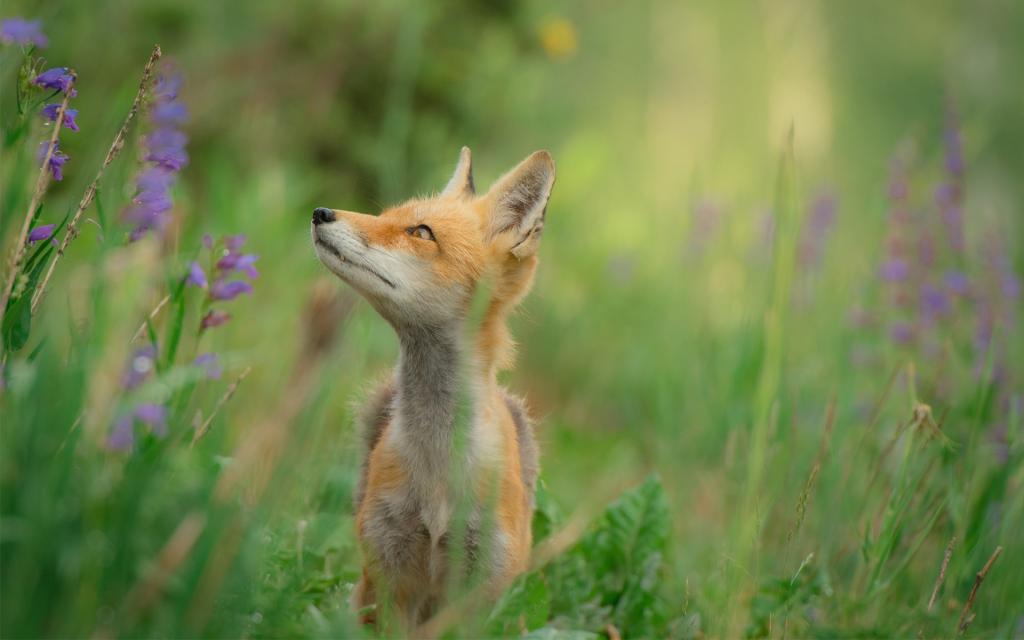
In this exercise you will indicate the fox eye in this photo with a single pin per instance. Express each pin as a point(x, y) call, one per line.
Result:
point(422, 232)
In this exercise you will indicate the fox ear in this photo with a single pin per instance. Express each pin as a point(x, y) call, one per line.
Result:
point(461, 183)
point(518, 202)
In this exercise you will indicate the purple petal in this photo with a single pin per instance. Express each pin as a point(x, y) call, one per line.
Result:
point(22, 31)
point(40, 233)
point(151, 413)
point(210, 366)
point(56, 78)
point(957, 282)
point(50, 113)
point(169, 113)
point(222, 290)
point(234, 243)
point(155, 179)
point(901, 332)
point(122, 436)
point(207, 241)
point(895, 270)
point(196, 275)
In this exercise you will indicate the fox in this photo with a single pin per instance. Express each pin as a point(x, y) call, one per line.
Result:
point(422, 265)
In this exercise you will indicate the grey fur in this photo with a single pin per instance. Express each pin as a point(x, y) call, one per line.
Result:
point(529, 453)
point(376, 415)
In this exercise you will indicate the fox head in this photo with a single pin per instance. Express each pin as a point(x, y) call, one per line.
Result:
point(420, 262)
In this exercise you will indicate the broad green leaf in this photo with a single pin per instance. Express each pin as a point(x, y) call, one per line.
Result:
point(524, 605)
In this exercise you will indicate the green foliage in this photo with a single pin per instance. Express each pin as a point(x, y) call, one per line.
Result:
point(678, 329)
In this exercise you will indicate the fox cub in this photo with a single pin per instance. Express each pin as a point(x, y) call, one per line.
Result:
point(420, 264)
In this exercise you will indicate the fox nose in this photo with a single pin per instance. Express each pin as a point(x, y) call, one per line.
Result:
point(322, 215)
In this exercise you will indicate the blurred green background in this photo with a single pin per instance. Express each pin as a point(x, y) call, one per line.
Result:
point(676, 325)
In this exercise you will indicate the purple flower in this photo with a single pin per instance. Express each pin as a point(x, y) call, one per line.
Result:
point(22, 31)
point(210, 366)
point(50, 113)
point(895, 270)
point(934, 302)
point(957, 283)
point(815, 233)
point(57, 78)
point(196, 275)
point(238, 262)
point(222, 290)
point(901, 332)
point(214, 318)
point(140, 367)
point(40, 233)
point(167, 87)
point(169, 113)
point(122, 436)
point(57, 159)
point(234, 243)
point(208, 241)
point(154, 416)
point(165, 151)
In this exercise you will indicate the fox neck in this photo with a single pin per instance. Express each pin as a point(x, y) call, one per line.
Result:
point(430, 380)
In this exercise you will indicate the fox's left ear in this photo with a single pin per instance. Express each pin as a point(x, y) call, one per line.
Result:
point(461, 183)
point(518, 202)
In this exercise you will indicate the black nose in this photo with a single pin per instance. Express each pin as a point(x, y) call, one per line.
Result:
point(322, 215)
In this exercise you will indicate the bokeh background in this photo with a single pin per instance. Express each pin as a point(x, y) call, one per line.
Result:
point(715, 304)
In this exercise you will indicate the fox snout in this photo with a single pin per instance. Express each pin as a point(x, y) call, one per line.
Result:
point(323, 215)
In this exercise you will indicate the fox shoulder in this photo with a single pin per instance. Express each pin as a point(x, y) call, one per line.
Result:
point(374, 416)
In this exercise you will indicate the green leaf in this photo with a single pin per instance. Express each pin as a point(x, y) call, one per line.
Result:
point(611, 574)
point(18, 323)
point(524, 605)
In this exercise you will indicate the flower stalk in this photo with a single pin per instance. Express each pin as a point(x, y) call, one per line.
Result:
point(42, 182)
point(115, 149)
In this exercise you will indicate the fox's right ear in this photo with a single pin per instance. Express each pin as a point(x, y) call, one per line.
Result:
point(518, 202)
point(461, 183)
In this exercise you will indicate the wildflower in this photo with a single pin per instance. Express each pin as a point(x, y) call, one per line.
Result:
point(815, 233)
point(141, 365)
point(57, 159)
point(22, 31)
point(166, 155)
point(208, 241)
point(40, 233)
point(956, 282)
point(166, 149)
point(234, 242)
point(58, 79)
point(122, 436)
point(154, 416)
point(246, 263)
point(210, 366)
point(934, 302)
point(901, 332)
point(50, 113)
point(894, 270)
point(196, 275)
point(222, 290)
point(214, 318)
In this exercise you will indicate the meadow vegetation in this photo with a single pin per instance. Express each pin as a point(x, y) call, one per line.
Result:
point(773, 350)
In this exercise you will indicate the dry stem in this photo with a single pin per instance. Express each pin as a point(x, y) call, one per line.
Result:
point(90, 191)
point(965, 622)
point(942, 572)
point(201, 431)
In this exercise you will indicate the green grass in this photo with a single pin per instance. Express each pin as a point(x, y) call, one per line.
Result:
point(728, 448)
